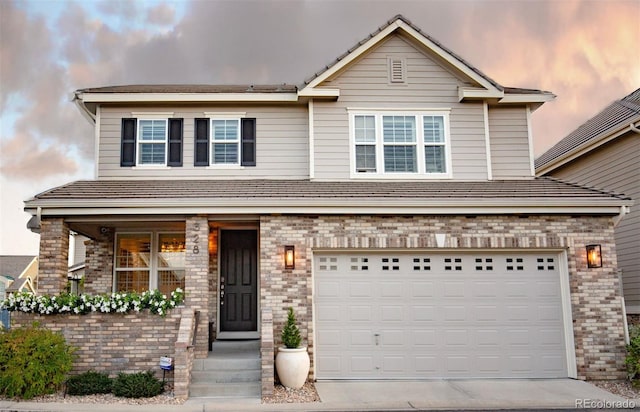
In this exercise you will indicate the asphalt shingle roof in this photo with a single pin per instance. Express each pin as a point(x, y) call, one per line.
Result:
point(619, 113)
point(14, 265)
point(539, 188)
point(193, 88)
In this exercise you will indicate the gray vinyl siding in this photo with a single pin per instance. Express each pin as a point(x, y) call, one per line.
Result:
point(282, 138)
point(509, 139)
point(365, 85)
point(615, 167)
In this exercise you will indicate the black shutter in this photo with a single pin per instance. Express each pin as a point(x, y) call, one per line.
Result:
point(201, 155)
point(128, 142)
point(175, 142)
point(248, 141)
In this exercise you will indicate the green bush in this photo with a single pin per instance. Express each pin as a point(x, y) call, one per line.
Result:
point(33, 361)
point(290, 333)
point(137, 385)
point(633, 357)
point(89, 383)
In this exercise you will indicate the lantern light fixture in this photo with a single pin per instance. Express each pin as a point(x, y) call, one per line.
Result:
point(289, 257)
point(594, 256)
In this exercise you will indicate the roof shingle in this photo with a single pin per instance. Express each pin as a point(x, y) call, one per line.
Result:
point(619, 113)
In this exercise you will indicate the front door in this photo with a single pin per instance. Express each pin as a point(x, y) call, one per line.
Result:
point(238, 280)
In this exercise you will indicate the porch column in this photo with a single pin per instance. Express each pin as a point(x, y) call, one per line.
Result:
point(53, 263)
point(196, 278)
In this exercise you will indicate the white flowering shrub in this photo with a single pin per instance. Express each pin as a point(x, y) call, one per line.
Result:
point(121, 302)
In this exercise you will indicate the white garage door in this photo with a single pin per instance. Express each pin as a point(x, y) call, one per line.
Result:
point(426, 315)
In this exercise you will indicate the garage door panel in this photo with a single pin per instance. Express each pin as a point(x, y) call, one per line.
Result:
point(437, 316)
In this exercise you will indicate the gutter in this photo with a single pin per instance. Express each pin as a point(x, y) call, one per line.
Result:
point(77, 100)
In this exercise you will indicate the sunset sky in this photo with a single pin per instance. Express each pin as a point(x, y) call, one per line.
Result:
point(585, 52)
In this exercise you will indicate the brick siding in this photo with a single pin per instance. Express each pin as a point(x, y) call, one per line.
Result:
point(53, 258)
point(595, 293)
point(113, 343)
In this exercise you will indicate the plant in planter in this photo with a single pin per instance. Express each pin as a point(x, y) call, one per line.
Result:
point(292, 360)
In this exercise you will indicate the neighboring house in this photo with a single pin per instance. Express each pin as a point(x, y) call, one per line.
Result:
point(399, 180)
point(17, 274)
point(77, 257)
point(604, 152)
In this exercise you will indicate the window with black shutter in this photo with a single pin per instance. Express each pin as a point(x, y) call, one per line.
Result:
point(217, 135)
point(128, 142)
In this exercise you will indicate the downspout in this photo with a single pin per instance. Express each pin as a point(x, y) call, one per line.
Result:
point(634, 128)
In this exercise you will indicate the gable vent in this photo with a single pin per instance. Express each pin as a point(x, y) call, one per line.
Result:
point(397, 72)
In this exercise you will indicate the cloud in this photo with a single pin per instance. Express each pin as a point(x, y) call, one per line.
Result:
point(23, 157)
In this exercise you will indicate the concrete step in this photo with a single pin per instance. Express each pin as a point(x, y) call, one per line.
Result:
point(215, 364)
point(226, 390)
point(226, 376)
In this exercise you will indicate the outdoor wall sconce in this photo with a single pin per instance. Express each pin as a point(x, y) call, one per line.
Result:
point(289, 257)
point(594, 256)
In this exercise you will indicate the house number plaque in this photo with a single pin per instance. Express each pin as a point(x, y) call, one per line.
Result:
point(196, 239)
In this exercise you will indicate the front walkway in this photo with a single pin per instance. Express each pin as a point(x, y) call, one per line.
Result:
point(393, 396)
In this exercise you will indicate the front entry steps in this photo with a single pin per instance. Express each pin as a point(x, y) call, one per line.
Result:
point(232, 370)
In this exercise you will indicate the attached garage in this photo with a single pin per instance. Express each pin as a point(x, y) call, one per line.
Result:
point(442, 315)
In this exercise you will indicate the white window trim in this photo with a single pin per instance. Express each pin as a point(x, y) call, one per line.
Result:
point(153, 256)
point(238, 142)
point(140, 142)
point(421, 173)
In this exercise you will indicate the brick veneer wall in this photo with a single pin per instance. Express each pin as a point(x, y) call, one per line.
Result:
point(113, 343)
point(267, 352)
point(595, 293)
point(197, 292)
point(184, 354)
point(53, 258)
point(99, 264)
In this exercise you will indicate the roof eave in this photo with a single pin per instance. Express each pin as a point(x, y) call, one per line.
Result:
point(588, 146)
point(185, 97)
point(451, 206)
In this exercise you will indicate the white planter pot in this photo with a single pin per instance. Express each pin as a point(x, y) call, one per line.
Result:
point(292, 366)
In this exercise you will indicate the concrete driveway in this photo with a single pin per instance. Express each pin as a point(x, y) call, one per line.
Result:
point(467, 394)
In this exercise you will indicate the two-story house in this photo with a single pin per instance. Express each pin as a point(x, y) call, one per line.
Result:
point(390, 200)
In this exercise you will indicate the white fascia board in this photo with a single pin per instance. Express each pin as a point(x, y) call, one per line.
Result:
point(476, 93)
point(320, 92)
point(527, 98)
point(272, 206)
point(350, 57)
point(187, 97)
point(585, 148)
point(447, 57)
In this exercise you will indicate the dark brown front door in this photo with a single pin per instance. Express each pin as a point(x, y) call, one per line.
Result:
point(238, 280)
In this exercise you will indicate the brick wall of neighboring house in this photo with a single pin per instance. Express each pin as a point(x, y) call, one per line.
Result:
point(595, 299)
point(53, 256)
point(113, 343)
point(99, 264)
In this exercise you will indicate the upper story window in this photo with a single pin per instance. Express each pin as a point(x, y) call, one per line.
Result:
point(151, 142)
point(225, 141)
point(400, 144)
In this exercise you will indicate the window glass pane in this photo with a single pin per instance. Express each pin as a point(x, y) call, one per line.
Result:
point(171, 250)
point(365, 129)
point(225, 153)
point(151, 130)
point(170, 280)
point(434, 158)
point(365, 158)
point(133, 251)
point(399, 129)
point(132, 281)
point(433, 129)
point(151, 153)
point(399, 158)
point(225, 130)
